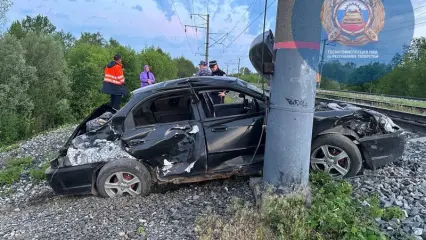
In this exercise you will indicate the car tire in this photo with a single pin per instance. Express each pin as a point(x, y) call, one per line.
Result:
point(135, 179)
point(339, 143)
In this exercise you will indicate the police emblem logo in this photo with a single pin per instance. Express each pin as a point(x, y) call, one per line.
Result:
point(353, 22)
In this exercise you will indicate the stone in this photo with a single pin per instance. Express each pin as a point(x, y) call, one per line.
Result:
point(418, 231)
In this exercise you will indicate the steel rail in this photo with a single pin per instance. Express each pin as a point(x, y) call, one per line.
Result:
point(420, 110)
point(378, 95)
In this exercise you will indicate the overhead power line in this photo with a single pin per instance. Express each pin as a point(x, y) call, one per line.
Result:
point(411, 25)
point(242, 16)
point(239, 35)
point(405, 12)
point(186, 36)
point(191, 3)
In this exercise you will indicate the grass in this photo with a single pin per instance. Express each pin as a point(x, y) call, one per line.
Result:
point(13, 169)
point(141, 230)
point(333, 214)
point(38, 174)
point(9, 148)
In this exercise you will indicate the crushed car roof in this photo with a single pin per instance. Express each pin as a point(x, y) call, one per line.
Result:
point(195, 80)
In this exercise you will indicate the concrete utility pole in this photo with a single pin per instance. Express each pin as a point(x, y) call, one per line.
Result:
point(207, 38)
point(206, 17)
point(290, 119)
point(238, 65)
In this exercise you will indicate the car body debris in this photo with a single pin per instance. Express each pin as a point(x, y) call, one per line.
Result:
point(176, 131)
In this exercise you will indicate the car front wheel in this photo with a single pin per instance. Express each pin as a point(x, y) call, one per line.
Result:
point(336, 155)
point(123, 177)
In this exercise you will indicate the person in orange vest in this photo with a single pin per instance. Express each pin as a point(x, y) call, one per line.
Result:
point(318, 80)
point(114, 82)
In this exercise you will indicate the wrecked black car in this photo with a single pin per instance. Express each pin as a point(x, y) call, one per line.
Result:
point(172, 132)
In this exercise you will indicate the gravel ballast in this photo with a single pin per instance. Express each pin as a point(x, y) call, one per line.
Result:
point(32, 211)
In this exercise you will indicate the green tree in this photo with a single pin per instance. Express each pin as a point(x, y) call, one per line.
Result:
point(15, 78)
point(245, 71)
point(66, 38)
point(408, 73)
point(329, 84)
point(87, 64)
point(185, 67)
point(92, 38)
point(113, 43)
point(51, 89)
point(161, 63)
point(38, 24)
point(4, 7)
point(16, 30)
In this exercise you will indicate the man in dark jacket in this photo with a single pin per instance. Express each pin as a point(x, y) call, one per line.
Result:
point(204, 71)
point(114, 82)
point(216, 71)
point(217, 97)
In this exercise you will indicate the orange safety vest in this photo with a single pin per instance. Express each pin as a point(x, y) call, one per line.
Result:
point(114, 74)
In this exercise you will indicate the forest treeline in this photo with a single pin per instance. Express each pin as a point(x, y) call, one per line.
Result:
point(49, 78)
point(405, 75)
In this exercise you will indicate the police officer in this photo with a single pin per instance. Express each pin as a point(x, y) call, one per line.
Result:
point(216, 71)
point(204, 71)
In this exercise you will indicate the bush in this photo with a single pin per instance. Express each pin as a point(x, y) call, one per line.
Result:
point(333, 214)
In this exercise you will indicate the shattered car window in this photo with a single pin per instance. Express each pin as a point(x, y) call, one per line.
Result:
point(163, 110)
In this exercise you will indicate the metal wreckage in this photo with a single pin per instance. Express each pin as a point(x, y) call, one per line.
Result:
point(173, 132)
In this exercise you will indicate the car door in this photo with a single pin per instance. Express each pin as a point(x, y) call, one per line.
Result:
point(164, 132)
point(233, 135)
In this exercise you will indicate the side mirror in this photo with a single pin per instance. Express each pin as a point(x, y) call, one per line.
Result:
point(264, 65)
point(241, 95)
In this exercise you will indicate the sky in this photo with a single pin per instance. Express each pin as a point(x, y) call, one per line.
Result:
point(140, 23)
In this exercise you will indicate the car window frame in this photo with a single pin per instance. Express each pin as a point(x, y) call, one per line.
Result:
point(204, 117)
point(129, 120)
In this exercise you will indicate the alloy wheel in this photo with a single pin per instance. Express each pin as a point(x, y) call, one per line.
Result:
point(331, 159)
point(119, 183)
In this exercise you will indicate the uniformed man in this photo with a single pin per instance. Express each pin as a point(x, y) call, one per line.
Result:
point(216, 71)
point(204, 71)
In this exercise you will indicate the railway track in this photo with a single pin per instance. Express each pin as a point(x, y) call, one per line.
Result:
point(381, 95)
point(393, 105)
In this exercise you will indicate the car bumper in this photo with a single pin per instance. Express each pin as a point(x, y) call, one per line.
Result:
point(74, 180)
point(381, 150)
